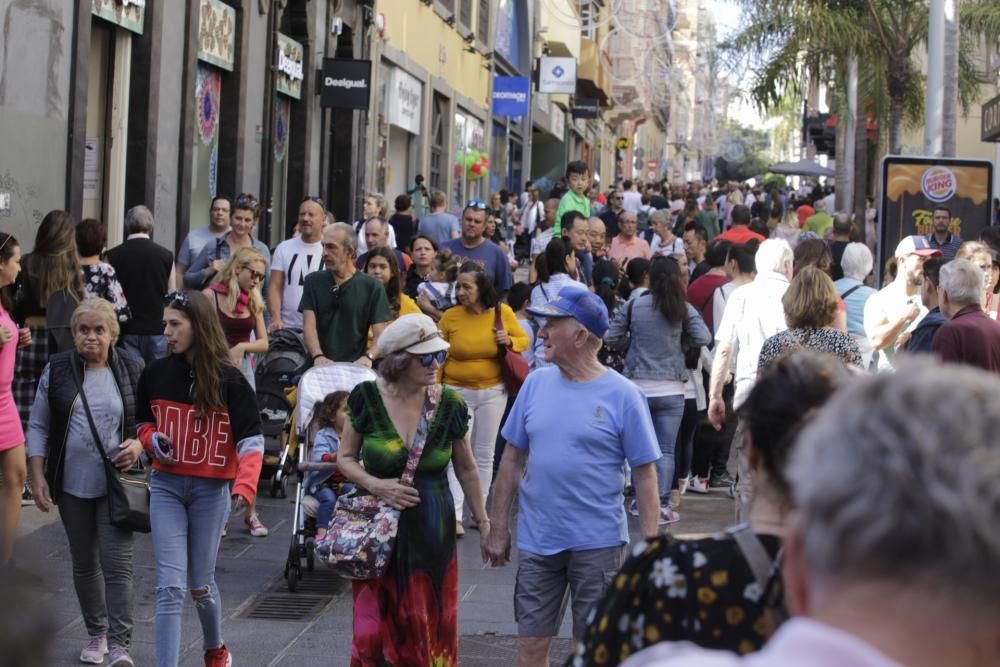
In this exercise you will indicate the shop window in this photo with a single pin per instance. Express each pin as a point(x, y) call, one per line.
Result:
point(483, 22)
point(469, 168)
point(439, 142)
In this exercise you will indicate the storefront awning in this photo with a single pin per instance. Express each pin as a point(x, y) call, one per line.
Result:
point(588, 88)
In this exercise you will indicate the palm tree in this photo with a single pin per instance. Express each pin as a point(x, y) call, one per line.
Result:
point(820, 36)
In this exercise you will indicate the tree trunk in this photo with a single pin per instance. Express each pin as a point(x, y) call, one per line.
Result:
point(860, 168)
point(950, 115)
point(846, 185)
point(895, 122)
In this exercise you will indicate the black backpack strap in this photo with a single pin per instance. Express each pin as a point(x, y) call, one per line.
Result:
point(850, 292)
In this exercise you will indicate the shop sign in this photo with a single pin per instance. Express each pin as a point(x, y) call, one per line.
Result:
point(128, 14)
point(557, 75)
point(405, 95)
point(511, 96)
point(991, 120)
point(346, 83)
point(291, 56)
point(217, 34)
point(558, 119)
point(912, 186)
point(585, 107)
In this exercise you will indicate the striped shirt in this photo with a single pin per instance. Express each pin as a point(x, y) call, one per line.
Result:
point(948, 248)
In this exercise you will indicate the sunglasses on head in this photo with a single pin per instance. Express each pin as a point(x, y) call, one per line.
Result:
point(427, 360)
point(178, 300)
point(246, 202)
point(313, 198)
point(476, 204)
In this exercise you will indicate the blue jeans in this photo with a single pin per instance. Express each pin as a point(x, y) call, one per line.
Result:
point(187, 514)
point(327, 499)
point(148, 348)
point(667, 412)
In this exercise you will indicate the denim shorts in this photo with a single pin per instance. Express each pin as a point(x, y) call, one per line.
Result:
point(545, 585)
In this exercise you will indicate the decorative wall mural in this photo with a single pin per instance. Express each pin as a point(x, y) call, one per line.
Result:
point(208, 86)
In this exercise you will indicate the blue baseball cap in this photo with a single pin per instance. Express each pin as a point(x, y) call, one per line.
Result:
point(582, 305)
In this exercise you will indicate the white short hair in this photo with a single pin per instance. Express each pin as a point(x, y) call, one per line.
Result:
point(896, 482)
point(773, 255)
point(857, 261)
point(963, 281)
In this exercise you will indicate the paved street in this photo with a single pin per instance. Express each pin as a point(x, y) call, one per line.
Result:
point(255, 596)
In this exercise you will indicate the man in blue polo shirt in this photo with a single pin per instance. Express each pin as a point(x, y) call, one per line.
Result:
point(569, 474)
point(472, 246)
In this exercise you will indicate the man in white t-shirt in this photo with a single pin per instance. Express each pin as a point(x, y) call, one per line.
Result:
point(632, 201)
point(291, 262)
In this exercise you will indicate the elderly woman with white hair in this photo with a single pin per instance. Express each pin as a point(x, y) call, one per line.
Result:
point(410, 614)
point(857, 263)
point(84, 411)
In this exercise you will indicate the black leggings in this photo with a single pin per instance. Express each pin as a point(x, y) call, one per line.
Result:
point(685, 442)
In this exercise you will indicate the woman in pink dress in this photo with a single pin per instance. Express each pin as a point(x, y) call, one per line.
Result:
point(12, 461)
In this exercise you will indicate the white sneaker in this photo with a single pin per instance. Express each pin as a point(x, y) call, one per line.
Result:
point(255, 525)
point(697, 484)
point(682, 485)
point(94, 652)
point(668, 516)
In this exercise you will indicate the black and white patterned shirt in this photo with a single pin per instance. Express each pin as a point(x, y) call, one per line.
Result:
point(831, 341)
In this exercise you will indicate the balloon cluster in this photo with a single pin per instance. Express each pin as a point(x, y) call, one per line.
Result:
point(475, 164)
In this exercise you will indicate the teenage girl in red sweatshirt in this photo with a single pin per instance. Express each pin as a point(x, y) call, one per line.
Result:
point(197, 417)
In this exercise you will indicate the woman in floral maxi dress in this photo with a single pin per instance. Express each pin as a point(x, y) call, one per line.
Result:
point(409, 617)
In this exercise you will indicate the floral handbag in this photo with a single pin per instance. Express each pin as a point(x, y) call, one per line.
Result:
point(362, 535)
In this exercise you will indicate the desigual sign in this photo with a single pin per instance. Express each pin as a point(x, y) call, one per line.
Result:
point(290, 66)
point(346, 83)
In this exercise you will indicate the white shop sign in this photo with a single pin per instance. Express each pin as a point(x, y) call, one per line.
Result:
point(403, 102)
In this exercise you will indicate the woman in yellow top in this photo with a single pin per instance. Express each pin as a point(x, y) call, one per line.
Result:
point(473, 367)
point(381, 265)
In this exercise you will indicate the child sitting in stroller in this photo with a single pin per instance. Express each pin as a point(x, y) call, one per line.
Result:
point(325, 485)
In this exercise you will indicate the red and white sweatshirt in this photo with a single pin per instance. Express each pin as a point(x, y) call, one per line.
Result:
point(224, 444)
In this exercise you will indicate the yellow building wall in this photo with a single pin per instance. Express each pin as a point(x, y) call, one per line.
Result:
point(419, 32)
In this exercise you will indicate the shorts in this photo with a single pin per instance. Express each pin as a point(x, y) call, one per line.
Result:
point(546, 583)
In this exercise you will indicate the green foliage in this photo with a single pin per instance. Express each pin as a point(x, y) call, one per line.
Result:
point(743, 156)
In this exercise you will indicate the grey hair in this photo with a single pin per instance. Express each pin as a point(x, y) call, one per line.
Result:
point(857, 261)
point(660, 215)
point(350, 237)
point(896, 481)
point(98, 307)
point(963, 281)
point(773, 255)
point(139, 220)
point(393, 365)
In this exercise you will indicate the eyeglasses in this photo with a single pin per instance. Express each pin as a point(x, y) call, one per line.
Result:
point(178, 300)
point(246, 201)
point(256, 275)
point(427, 360)
point(618, 197)
point(313, 198)
point(476, 204)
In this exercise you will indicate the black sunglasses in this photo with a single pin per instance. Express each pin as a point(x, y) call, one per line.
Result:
point(426, 360)
point(335, 295)
point(314, 199)
point(177, 300)
point(476, 204)
point(246, 202)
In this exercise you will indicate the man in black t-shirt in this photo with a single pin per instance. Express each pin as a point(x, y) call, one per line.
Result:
point(841, 237)
point(145, 271)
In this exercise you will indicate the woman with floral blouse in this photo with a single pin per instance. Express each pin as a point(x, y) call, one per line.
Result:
point(99, 279)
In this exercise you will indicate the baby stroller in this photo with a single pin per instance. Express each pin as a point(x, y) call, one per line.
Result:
point(278, 370)
point(315, 384)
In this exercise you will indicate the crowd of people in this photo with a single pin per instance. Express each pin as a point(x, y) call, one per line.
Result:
point(677, 339)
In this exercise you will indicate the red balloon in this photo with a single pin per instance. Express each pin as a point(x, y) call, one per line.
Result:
point(477, 169)
point(486, 162)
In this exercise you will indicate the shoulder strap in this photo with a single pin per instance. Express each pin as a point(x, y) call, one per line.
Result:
point(850, 291)
point(541, 286)
point(417, 448)
point(90, 418)
point(497, 321)
point(753, 552)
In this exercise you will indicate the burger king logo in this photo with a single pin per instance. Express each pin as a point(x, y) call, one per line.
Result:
point(938, 184)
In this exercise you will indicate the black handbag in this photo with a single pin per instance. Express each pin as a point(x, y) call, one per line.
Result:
point(128, 491)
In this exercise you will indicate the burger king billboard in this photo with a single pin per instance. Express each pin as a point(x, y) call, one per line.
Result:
point(913, 186)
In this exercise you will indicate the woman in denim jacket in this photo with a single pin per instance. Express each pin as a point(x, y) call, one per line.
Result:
point(654, 331)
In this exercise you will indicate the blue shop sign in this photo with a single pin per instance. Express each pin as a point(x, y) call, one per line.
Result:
point(510, 95)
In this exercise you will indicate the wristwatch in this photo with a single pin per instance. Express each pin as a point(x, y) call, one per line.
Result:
point(370, 357)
